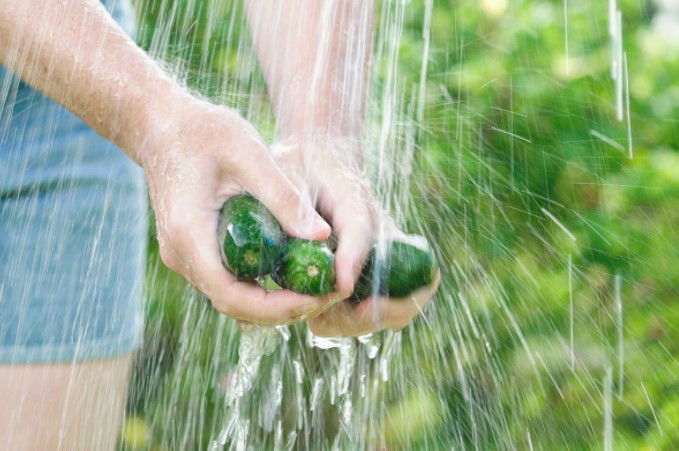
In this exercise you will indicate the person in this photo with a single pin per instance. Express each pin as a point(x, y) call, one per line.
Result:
point(75, 89)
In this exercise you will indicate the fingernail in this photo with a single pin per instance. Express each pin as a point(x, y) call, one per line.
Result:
point(317, 227)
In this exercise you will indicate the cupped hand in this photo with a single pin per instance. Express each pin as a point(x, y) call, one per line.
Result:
point(196, 156)
point(330, 173)
point(372, 314)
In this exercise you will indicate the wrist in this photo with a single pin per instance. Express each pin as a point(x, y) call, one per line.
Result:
point(153, 119)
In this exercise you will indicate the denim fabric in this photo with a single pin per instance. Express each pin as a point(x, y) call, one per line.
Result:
point(72, 232)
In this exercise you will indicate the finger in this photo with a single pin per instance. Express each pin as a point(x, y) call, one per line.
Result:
point(241, 300)
point(372, 314)
point(249, 302)
point(355, 232)
point(296, 214)
point(396, 313)
point(345, 321)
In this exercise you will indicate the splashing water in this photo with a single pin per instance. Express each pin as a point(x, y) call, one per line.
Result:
point(256, 342)
point(500, 130)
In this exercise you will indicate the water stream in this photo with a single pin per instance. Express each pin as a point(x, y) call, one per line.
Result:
point(534, 144)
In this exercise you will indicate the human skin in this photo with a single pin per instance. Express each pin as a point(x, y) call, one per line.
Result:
point(316, 59)
point(70, 406)
point(195, 155)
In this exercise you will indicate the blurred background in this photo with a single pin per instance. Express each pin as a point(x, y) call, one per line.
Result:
point(494, 130)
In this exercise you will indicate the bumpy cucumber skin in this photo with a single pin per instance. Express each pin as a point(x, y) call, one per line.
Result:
point(253, 239)
point(405, 268)
point(410, 268)
point(307, 267)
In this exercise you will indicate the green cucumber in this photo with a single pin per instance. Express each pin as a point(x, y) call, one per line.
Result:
point(367, 284)
point(307, 267)
point(402, 267)
point(252, 238)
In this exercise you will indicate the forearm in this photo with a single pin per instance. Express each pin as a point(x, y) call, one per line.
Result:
point(75, 53)
point(315, 56)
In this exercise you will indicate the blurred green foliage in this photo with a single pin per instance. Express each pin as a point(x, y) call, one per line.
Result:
point(511, 134)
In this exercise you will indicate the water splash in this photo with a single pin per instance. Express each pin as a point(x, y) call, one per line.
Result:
point(256, 343)
point(475, 138)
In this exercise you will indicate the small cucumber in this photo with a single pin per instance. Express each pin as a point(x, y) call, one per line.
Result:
point(307, 267)
point(367, 284)
point(402, 267)
point(252, 238)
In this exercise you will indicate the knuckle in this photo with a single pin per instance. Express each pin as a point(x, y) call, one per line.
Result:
point(169, 257)
point(177, 227)
point(233, 161)
point(250, 153)
point(257, 153)
point(172, 221)
point(365, 224)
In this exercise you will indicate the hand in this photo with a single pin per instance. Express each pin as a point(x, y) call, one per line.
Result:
point(330, 173)
point(196, 156)
point(372, 314)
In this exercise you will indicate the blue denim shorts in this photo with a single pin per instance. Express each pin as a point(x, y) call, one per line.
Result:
point(73, 225)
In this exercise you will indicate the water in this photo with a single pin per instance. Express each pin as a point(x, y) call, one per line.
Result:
point(256, 343)
point(534, 144)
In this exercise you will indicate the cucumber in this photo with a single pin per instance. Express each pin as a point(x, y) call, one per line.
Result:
point(252, 238)
point(307, 267)
point(403, 267)
point(367, 283)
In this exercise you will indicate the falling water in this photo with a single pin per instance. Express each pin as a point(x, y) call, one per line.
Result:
point(503, 132)
point(256, 343)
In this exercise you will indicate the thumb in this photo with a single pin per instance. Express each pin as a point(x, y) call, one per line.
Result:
point(293, 210)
